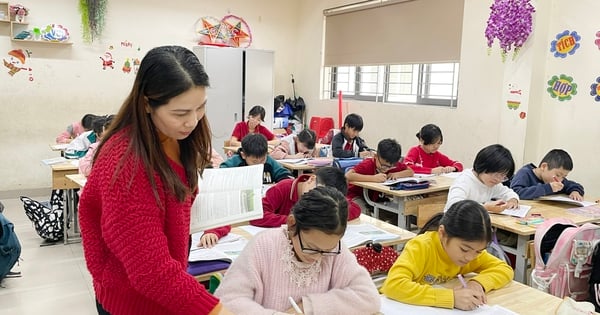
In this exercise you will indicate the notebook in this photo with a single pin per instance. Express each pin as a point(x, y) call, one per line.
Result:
point(391, 307)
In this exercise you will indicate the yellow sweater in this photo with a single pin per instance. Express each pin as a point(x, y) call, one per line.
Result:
point(424, 263)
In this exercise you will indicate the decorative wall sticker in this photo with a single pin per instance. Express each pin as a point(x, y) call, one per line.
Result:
point(92, 19)
point(522, 115)
point(230, 31)
point(562, 87)
point(597, 41)
point(510, 22)
point(513, 98)
point(15, 62)
point(565, 43)
point(595, 90)
point(126, 66)
point(107, 61)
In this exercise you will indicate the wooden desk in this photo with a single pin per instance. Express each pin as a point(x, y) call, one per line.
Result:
point(404, 204)
point(59, 171)
point(301, 167)
point(58, 146)
point(548, 209)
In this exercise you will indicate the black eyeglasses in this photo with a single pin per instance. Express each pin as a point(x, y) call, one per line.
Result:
point(311, 251)
point(384, 166)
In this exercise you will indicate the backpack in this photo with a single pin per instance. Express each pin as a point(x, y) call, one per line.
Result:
point(563, 253)
point(346, 163)
point(375, 257)
point(595, 279)
point(47, 221)
point(496, 250)
point(10, 248)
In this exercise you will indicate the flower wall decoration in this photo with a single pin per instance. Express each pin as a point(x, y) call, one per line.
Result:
point(510, 22)
point(18, 9)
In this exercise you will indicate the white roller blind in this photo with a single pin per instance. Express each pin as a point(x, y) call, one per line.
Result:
point(420, 31)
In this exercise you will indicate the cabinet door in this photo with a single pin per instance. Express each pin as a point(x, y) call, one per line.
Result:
point(224, 106)
point(259, 82)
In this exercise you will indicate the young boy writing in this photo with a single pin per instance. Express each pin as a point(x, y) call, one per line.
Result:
point(550, 177)
point(254, 151)
point(279, 199)
point(384, 165)
point(347, 143)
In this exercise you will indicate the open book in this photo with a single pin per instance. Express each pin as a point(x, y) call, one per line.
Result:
point(359, 234)
point(520, 212)
point(227, 196)
point(415, 180)
point(391, 307)
point(566, 199)
point(227, 249)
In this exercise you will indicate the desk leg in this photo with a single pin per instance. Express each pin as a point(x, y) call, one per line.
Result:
point(66, 218)
point(395, 207)
point(521, 260)
point(70, 210)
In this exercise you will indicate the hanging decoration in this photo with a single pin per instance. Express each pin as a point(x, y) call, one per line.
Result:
point(230, 31)
point(92, 18)
point(566, 43)
point(510, 22)
point(595, 90)
point(562, 87)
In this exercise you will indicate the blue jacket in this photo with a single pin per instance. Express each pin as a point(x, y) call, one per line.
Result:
point(529, 186)
point(272, 173)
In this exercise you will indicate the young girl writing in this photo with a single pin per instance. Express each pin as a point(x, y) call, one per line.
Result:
point(304, 261)
point(425, 157)
point(450, 244)
point(297, 146)
point(493, 166)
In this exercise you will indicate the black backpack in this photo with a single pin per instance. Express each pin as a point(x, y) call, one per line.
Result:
point(595, 278)
point(10, 248)
point(47, 220)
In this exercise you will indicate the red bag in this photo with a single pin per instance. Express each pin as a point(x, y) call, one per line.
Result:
point(376, 258)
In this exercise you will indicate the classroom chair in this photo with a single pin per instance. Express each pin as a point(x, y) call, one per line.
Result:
point(321, 125)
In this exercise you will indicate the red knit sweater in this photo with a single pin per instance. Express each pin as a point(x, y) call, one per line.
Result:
point(135, 250)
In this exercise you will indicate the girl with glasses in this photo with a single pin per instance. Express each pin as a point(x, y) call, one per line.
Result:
point(304, 261)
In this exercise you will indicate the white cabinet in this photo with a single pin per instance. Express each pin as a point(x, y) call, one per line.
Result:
point(239, 79)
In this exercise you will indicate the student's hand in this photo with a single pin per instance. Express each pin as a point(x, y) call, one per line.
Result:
point(476, 286)
point(467, 299)
point(576, 196)
point(512, 203)
point(556, 186)
point(380, 177)
point(495, 206)
point(208, 240)
point(295, 156)
point(449, 169)
point(438, 170)
point(225, 311)
point(365, 154)
point(291, 310)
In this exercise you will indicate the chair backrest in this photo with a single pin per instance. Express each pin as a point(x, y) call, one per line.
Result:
point(321, 125)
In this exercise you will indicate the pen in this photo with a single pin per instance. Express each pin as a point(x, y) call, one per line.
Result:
point(295, 306)
point(462, 281)
point(555, 179)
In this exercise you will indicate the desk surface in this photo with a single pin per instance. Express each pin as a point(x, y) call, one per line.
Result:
point(58, 146)
point(439, 183)
point(524, 300)
point(404, 235)
point(548, 209)
point(65, 166)
point(78, 179)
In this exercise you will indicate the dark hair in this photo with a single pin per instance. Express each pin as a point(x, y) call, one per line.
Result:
point(465, 219)
point(322, 208)
point(494, 159)
point(430, 134)
point(87, 121)
point(558, 158)
point(389, 150)
point(108, 121)
point(307, 137)
point(255, 144)
point(164, 73)
point(332, 177)
point(258, 111)
point(353, 121)
point(98, 125)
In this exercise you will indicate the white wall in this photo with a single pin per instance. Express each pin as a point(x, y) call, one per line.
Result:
point(69, 81)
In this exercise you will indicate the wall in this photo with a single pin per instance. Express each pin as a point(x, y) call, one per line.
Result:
point(68, 81)
point(482, 116)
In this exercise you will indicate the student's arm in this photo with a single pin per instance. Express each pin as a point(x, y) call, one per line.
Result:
point(337, 147)
point(447, 162)
point(272, 203)
point(354, 210)
point(492, 273)
point(210, 237)
point(457, 192)
point(349, 282)
point(353, 176)
point(234, 141)
point(281, 151)
point(85, 163)
point(528, 187)
point(571, 186)
point(502, 192)
point(65, 136)
point(401, 285)
point(413, 161)
point(400, 171)
point(236, 134)
point(278, 172)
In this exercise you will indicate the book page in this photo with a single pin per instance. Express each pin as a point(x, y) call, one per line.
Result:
point(391, 307)
point(226, 251)
point(405, 179)
point(520, 212)
point(359, 234)
point(562, 198)
point(227, 196)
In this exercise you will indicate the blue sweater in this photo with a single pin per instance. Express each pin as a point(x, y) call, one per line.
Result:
point(273, 171)
point(529, 186)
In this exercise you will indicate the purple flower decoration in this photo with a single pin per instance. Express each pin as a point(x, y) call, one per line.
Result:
point(510, 22)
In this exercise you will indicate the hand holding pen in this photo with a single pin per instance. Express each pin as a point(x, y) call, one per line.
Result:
point(468, 296)
point(556, 184)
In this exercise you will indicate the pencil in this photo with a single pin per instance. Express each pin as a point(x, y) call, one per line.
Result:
point(462, 281)
point(295, 306)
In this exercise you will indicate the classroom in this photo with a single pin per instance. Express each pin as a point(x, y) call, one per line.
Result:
point(60, 83)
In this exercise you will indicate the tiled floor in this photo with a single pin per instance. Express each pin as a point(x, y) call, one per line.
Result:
point(54, 278)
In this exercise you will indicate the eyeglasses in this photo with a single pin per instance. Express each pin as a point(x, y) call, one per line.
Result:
point(311, 251)
point(384, 166)
point(499, 176)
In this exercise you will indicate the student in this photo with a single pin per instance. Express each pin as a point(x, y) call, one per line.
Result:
point(384, 165)
point(347, 143)
point(305, 261)
point(75, 129)
point(135, 208)
point(252, 126)
point(77, 148)
point(100, 126)
point(450, 244)
point(297, 146)
point(279, 199)
point(425, 157)
point(550, 177)
point(493, 165)
point(215, 159)
point(254, 151)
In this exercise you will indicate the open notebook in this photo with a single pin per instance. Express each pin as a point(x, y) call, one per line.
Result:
point(391, 307)
point(227, 249)
point(566, 199)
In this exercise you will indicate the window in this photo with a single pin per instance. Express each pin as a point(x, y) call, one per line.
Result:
point(423, 84)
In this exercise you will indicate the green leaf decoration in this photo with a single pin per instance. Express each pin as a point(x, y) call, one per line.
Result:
point(92, 18)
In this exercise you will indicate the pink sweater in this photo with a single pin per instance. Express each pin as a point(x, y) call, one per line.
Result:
point(72, 131)
point(135, 250)
point(260, 281)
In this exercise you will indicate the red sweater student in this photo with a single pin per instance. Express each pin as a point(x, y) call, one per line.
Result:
point(279, 199)
point(426, 158)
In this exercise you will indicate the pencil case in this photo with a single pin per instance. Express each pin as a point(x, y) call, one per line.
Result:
point(410, 186)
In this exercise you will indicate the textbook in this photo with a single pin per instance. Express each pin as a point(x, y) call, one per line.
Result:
point(360, 234)
point(566, 199)
point(227, 248)
point(227, 196)
point(520, 212)
point(414, 180)
point(392, 307)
